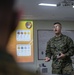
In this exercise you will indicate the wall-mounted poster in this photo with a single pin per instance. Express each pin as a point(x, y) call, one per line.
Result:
point(21, 42)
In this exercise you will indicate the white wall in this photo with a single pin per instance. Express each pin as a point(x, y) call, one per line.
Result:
point(44, 24)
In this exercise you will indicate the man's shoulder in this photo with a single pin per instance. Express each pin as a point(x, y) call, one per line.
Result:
point(67, 37)
point(11, 65)
point(51, 39)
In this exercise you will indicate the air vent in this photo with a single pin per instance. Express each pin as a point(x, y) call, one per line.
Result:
point(44, 70)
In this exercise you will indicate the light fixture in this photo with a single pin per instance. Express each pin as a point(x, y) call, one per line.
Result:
point(46, 4)
point(73, 6)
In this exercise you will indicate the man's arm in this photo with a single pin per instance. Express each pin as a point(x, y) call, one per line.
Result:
point(48, 52)
point(71, 47)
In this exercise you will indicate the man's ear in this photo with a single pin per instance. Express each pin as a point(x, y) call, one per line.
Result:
point(15, 20)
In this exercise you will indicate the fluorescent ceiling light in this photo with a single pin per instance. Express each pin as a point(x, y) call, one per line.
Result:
point(73, 6)
point(46, 4)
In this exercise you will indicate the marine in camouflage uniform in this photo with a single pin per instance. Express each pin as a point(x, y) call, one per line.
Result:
point(56, 46)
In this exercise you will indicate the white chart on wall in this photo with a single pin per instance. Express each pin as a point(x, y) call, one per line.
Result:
point(23, 49)
point(23, 35)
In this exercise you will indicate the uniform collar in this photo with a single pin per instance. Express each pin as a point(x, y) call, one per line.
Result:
point(59, 37)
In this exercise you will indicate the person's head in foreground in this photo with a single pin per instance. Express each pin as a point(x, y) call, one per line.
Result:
point(8, 23)
point(8, 20)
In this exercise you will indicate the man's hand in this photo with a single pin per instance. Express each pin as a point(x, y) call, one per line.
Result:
point(47, 59)
point(61, 56)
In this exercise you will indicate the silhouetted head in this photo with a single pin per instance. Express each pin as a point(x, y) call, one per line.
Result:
point(8, 20)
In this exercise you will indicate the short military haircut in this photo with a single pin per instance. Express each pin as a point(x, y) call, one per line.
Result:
point(58, 23)
point(7, 4)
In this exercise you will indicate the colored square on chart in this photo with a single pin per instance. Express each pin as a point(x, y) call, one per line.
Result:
point(23, 49)
point(23, 35)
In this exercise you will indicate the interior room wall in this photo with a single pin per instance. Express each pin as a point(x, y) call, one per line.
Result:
point(43, 24)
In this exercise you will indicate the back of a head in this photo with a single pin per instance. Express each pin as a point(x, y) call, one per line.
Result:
point(6, 7)
point(8, 68)
point(7, 4)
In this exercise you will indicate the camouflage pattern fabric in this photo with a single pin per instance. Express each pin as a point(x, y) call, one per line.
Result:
point(55, 46)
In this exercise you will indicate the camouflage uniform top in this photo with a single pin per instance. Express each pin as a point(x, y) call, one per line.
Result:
point(8, 65)
point(59, 44)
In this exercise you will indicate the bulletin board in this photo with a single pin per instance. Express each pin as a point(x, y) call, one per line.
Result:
point(20, 44)
point(43, 36)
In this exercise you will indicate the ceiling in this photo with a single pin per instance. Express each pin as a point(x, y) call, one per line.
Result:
point(31, 10)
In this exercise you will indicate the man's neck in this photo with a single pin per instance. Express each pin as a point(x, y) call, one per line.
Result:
point(57, 35)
